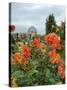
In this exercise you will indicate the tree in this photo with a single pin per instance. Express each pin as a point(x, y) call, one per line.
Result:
point(50, 23)
point(62, 35)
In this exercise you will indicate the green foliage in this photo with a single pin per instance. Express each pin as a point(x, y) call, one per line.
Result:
point(18, 74)
point(14, 48)
point(37, 71)
point(62, 53)
point(15, 67)
point(51, 77)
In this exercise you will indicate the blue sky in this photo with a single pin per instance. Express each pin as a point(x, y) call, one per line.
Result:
point(25, 15)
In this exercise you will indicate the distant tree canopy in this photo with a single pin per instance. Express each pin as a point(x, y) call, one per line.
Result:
point(50, 24)
point(62, 33)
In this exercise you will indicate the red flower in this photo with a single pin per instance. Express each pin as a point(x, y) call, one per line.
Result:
point(12, 28)
point(53, 56)
point(61, 71)
point(25, 51)
point(36, 42)
point(52, 39)
point(53, 52)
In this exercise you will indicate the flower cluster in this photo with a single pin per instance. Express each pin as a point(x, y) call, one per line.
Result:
point(18, 58)
point(36, 42)
point(54, 56)
point(25, 51)
point(23, 55)
point(53, 40)
point(61, 71)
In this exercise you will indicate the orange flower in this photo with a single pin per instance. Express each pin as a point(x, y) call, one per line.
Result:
point(53, 52)
point(36, 42)
point(17, 56)
point(53, 56)
point(61, 71)
point(19, 59)
point(22, 61)
point(25, 51)
point(52, 39)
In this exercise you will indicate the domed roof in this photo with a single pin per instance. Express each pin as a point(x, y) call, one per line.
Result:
point(32, 29)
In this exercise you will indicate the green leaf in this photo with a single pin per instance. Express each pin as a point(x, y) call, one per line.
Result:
point(52, 81)
point(14, 48)
point(63, 55)
point(57, 78)
point(33, 71)
point(18, 74)
point(48, 73)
